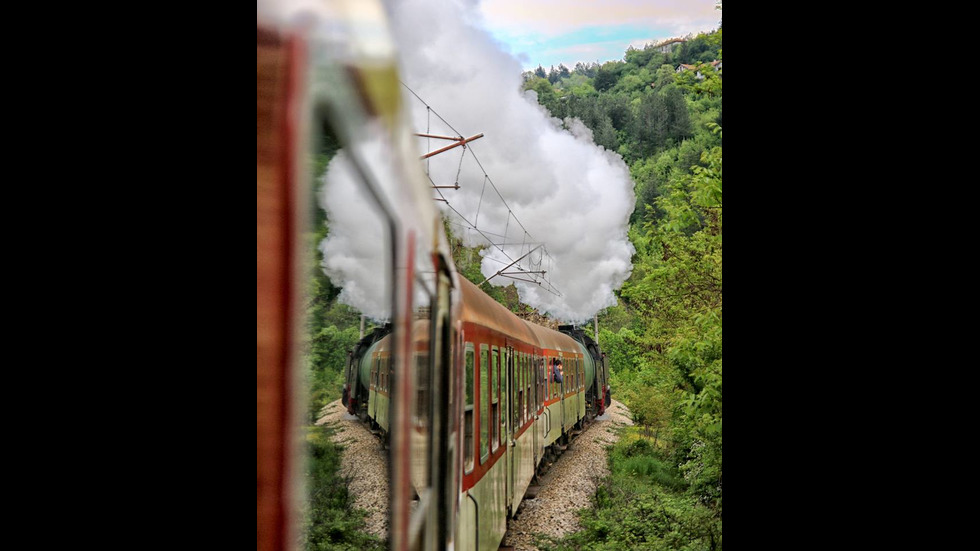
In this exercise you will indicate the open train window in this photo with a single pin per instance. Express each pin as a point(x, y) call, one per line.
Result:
point(468, 419)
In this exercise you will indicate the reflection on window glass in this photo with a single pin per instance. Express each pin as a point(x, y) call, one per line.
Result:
point(468, 420)
point(503, 392)
point(494, 389)
point(484, 402)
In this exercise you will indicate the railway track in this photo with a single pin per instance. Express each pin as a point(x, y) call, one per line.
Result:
point(564, 489)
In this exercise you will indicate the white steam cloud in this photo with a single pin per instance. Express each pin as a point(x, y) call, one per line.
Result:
point(567, 192)
point(353, 252)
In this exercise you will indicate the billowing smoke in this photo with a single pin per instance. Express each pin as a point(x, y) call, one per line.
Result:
point(566, 192)
point(353, 252)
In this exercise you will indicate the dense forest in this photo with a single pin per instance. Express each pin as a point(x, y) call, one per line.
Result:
point(661, 110)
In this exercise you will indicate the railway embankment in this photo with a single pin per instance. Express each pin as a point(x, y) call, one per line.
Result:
point(567, 486)
point(364, 462)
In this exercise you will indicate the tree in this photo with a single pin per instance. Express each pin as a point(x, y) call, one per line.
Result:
point(553, 75)
point(587, 69)
point(608, 74)
point(546, 94)
point(539, 72)
point(617, 107)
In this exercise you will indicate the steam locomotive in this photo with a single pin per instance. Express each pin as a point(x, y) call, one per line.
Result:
point(463, 391)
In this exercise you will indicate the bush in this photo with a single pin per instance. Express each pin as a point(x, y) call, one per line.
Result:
point(643, 505)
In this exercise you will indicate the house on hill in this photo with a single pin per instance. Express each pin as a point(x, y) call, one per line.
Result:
point(667, 45)
point(716, 65)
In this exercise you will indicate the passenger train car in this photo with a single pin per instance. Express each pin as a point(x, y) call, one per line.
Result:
point(460, 388)
point(512, 410)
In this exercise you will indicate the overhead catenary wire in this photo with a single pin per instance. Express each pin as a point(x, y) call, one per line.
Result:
point(544, 283)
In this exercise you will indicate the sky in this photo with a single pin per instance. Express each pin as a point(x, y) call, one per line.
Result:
point(549, 32)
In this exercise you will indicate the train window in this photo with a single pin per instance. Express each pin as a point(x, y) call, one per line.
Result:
point(563, 385)
point(556, 386)
point(529, 373)
point(494, 373)
point(531, 384)
point(532, 381)
point(560, 387)
point(517, 391)
point(524, 392)
point(543, 368)
point(504, 391)
point(540, 374)
point(421, 389)
point(468, 419)
point(574, 370)
point(527, 387)
point(484, 396)
point(538, 392)
point(495, 390)
point(549, 386)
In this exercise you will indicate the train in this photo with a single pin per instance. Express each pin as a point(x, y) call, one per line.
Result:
point(515, 411)
point(462, 391)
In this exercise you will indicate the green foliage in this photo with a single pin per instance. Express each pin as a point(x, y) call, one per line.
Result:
point(649, 55)
point(608, 74)
point(664, 339)
point(329, 521)
point(703, 46)
point(326, 360)
point(662, 120)
point(704, 79)
point(546, 93)
point(644, 504)
point(589, 110)
point(579, 86)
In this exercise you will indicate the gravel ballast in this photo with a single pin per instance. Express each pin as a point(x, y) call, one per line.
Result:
point(566, 488)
